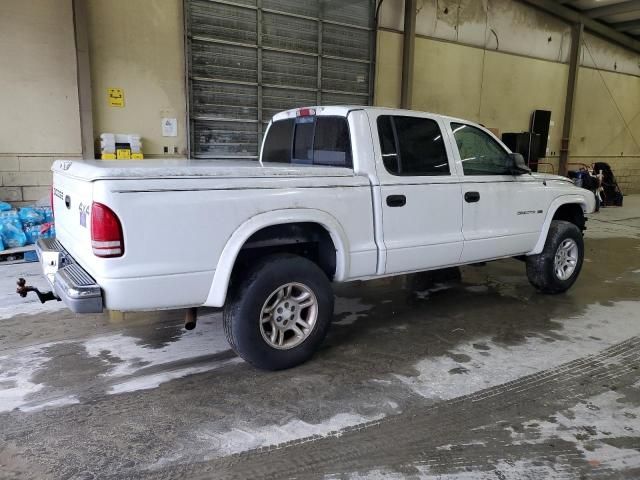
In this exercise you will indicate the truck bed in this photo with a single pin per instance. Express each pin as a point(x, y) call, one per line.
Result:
point(92, 170)
point(179, 217)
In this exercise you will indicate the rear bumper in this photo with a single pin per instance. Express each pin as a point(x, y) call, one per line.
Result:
point(75, 287)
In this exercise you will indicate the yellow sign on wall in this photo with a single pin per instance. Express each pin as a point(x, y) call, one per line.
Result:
point(116, 97)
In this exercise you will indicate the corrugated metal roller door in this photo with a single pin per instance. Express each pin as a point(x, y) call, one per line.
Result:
point(249, 59)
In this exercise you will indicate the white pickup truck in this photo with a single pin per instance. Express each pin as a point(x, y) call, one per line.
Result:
point(339, 194)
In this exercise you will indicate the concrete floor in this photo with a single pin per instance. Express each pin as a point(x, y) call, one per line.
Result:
point(483, 378)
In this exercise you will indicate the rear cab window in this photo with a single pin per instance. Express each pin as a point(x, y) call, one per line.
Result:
point(309, 140)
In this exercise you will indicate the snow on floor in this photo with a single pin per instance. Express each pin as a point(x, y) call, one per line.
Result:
point(438, 287)
point(16, 372)
point(146, 382)
point(132, 354)
point(586, 334)
point(588, 425)
point(493, 364)
point(504, 469)
point(56, 402)
point(129, 357)
point(518, 469)
point(246, 437)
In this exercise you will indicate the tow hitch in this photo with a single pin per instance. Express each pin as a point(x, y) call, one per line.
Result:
point(23, 289)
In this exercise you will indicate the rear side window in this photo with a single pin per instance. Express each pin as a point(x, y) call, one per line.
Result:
point(309, 140)
point(277, 147)
point(412, 146)
point(331, 145)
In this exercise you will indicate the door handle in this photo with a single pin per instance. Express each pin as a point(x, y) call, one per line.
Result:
point(472, 197)
point(396, 200)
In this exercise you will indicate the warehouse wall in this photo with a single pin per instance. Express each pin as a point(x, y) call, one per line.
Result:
point(495, 61)
point(138, 45)
point(495, 89)
point(38, 94)
point(508, 26)
point(607, 124)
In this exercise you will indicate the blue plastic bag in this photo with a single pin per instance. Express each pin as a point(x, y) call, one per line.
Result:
point(10, 216)
point(30, 216)
point(11, 230)
point(47, 214)
point(32, 232)
point(5, 207)
point(12, 235)
point(1, 244)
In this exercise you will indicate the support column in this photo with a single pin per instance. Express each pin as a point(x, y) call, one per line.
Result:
point(577, 31)
point(259, 73)
point(408, 52)
point(83, 67)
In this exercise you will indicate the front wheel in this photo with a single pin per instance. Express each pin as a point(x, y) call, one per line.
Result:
point(279, 313)
point(557, 267)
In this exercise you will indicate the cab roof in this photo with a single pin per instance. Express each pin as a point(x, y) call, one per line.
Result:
point(343, 111)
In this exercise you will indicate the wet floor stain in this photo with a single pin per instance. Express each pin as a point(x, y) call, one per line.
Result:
point(458, 370)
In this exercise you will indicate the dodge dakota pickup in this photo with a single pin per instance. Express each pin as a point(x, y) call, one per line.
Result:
point(339, 194)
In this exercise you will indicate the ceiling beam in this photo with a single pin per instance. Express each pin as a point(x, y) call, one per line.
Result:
point(624, 26)
point(594, 26)
point(615, 9)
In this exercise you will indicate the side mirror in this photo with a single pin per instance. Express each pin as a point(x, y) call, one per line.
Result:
point(517, 164)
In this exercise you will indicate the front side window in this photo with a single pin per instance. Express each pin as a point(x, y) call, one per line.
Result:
point(480, 154)
point(309, 140)
point(412, 146)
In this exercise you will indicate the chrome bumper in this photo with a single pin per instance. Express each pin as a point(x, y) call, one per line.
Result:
point(69, 281)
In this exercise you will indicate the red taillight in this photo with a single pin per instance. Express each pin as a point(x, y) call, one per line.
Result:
point(305, 112)
point(106, 232)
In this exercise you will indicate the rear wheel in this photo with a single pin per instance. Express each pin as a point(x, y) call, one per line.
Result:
point(557, 267)
point(279, 313)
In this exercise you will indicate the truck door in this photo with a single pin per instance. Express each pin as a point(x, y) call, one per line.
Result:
point(421, 198)
point(502, 213)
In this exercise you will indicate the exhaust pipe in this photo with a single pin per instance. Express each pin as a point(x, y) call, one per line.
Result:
point(191, 318)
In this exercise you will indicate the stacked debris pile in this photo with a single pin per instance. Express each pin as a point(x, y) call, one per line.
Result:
point(24, 226)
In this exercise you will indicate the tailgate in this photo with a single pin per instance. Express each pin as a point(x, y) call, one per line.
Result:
point(72, 198)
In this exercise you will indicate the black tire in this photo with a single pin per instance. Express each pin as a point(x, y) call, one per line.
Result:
point(243, 308)
point(541, 268)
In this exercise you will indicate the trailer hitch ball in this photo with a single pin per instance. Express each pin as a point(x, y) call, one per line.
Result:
point(23, 289)
point(191, 318)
